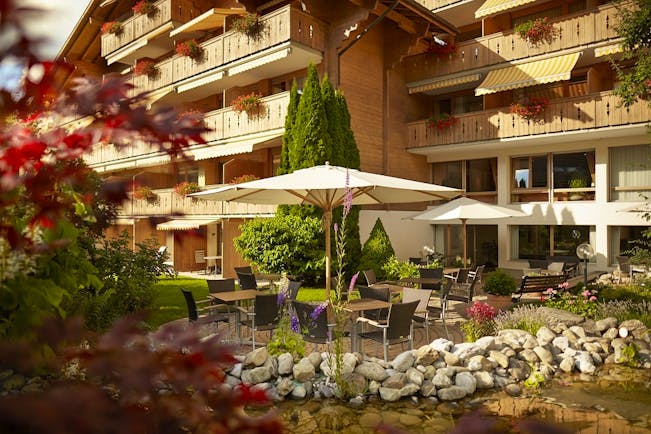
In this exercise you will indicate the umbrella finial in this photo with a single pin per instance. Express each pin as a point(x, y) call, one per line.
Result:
point(327, 163)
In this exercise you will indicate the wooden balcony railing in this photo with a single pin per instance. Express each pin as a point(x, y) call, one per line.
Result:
point(170, 203)
point(597, 110)
point(283, 25)
point(138, 25)
point(578, 29)
point(224, 123)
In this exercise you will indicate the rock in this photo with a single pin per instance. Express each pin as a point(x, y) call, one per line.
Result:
point(561, 343)
point(500, 358)
point(441, 381)
point(518, 369)
point(545, 335)
point(284, 386)
point(452, 393)
point(372, 371)
point(232, 381)
point(578, 330)
point(414, 376)
point(513, 389)
point(285, 364)
point(272, 364)
point(409, 420)
point(429, 373)
point(409, 389)
point(370, 420)
point(606, 324)
point(484, 380)
point(256, 375)
point(611, 333)
point(441, 344)
point(592, 347)
point(528, 355)
point(479, 363)
point(315, 358)
point(403, 361)
point(426, 355)
point(390, 394)
point(356, 402)
point(256, 357)
point(236, 371)
point(428, 388)
point(303, 370)
point(395, 381)
point(632, 324)
point(529, 342)
point(584, 363)
point(466, 350)
point(373, 387)
point(486, 343)
point(450, 359)
point(466, 381)
point(299, 391)
point(544, 355)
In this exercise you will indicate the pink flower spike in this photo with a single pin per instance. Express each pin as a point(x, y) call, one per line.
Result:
point(336, 227)
point(353, 281)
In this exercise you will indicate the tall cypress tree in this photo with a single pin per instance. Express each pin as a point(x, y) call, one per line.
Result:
point(334, 153)
point(348, 144)
point(290, 120)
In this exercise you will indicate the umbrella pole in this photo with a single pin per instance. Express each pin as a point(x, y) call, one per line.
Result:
point(464, 235)
point(327, 219)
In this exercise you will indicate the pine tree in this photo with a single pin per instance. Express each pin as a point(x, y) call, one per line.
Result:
point(348, 144)
point(377, 250)
point(290, 121)
point(334, 153)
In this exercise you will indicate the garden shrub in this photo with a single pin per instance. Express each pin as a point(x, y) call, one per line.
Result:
point(377, 250)
point(624, 310)
point(584, 303)
point(396, 269)
point(284, 243)
point(480, 323)
point(499, 282)
point(528, 317)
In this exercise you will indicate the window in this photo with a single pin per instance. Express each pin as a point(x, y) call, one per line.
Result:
point(474, 176)
point(540, 241)
point(188, 174)
point(574, 176)
point(467, 103)
point(630, 174)
point(529, 179)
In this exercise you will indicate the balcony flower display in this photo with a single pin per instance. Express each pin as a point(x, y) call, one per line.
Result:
point(145, 7)
point(250, 103)
point(184, 188)
point(440, 48)
point(111, 28)
point(190, 48)
point(529, 109)
point(250, 25)
point(145, 67)
point(444, 122)
point(194, 116)
point(243, 178)
point(144, 192)
point(535, 32)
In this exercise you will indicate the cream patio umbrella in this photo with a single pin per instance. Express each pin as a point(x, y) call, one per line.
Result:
point(464, 209)
point(326, 186)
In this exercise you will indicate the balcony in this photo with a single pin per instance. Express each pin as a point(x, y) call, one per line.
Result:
point(580, 29)
point(292, 40)
point(170, 203)
point(144, 36)
point(590, 112)
point(227, 127)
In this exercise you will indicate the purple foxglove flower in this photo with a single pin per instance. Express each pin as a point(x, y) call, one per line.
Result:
point(348, 199)
point(353, 281)
point(282, 297)
point(318, 310)
point(294, 324)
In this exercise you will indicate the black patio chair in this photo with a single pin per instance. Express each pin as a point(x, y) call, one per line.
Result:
point(375, 293)
point(431, 273)
point(264, 315)
point(398, 328)
point(205, 315)
point(314, 330)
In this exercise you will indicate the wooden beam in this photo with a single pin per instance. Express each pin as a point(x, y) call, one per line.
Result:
point(403, 22)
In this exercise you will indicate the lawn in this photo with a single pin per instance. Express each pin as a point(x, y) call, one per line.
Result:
point(170, 305)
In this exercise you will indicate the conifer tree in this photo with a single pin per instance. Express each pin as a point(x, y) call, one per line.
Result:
point(290, 120)
point(377, 250)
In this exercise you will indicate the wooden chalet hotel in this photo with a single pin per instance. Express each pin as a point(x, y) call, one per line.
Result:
point(430, 85)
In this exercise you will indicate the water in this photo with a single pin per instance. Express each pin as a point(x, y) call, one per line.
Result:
point(617, 402)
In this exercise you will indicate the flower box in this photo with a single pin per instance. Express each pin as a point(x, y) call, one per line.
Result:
point(530, 109)
point(250, 25)
point(184, 188)
point(145, 7)
point(443, 122)
point(111, 28)
point(190, 49)
point(250, 103)
point(145, 67)
point(440, 49)
point(144, 192)
point(243, 178)
point(535, 32)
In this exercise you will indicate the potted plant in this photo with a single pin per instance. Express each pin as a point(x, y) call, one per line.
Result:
point(577, 181)
point(145, 7)
point(250, 25)
point(443, 122)
point(529, 109)
point(112, 28)
point(184, 188)
point(250, 103)
point(190, 49)
point(145, 67)
point(440, 48)
point(535, 32)
point(243, 178)
point(499, 287)
point(144, 192)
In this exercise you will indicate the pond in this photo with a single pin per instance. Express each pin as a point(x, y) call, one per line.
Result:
point(618, 401)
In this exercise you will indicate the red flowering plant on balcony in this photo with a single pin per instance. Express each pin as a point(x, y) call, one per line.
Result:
point(184, 188)
point(250, 25)
point(112, 28)
point(190, 48)
point(440, 48)
point(144, 192)
point(443, 122)
point(243, 178)
point(529, 109)
point(535, 32)
point(251, 103)
point(145, 67)
point(145, 7)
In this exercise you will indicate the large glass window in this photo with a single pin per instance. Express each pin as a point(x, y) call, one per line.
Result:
point(529, 179)
point(449, 174)
point(474, 176)
point(540, 241)
point(574, 175)
point(630, 173)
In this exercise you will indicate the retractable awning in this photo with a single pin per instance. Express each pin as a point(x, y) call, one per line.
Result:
point(184, 224)
point(236, 147)
point(608, 50)
point(440, 84)
point(212, 19)
point(528, 74)
point(492, 7)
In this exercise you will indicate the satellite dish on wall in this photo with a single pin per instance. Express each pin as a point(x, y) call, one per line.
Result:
point(584, 251)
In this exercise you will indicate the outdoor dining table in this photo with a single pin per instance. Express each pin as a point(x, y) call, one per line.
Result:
point(235, 297)
point(214, 258)
point(356, 307)
point(419, 281)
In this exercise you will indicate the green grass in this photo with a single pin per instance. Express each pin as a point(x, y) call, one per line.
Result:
point(170, 304)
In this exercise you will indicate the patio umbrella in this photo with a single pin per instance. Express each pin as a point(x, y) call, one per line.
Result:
point(325, 186)
point(464, 209)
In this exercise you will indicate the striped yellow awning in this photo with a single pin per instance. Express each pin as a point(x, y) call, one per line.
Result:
point(608, 50)
point(439, 84)
point(528, 74)
point(491, 7)
point(184, 225)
